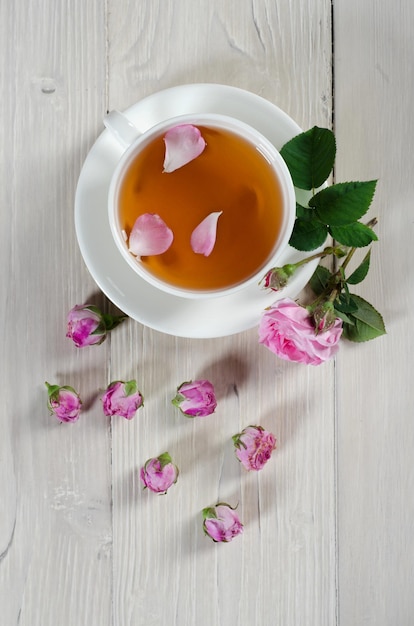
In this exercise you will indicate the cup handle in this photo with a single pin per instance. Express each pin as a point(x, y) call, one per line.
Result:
point(121, 128)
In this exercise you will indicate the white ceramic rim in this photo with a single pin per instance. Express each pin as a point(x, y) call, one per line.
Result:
point(263, 145)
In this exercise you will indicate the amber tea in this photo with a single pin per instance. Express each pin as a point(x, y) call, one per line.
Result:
point(231, 175)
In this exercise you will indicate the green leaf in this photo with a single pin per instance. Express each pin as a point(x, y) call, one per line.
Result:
point(319, 280)
point(355, 235)
point(361, 271)
point(310, 157)
point(343, 317)
point(305, 212)
point(368, 322)
point(308, 234)
point(345, 303)
point(343, 203)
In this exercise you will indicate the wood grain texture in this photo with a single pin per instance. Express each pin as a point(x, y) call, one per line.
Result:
point(374, 127)
point(328, 523)
point(55, 491)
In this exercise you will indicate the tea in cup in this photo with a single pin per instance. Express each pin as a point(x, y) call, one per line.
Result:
point(239, 178)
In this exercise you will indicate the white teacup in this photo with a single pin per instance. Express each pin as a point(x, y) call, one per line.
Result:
point(245, 137)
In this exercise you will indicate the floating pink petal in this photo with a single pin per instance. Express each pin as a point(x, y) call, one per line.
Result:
point(150, 235)
point(183, 143)
point(203, 237)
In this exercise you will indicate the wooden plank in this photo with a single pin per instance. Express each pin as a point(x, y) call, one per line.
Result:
point(55, 494)
point(374, 83)
point(283, 568)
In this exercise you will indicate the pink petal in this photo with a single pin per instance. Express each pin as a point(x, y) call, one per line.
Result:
point(150, 235)
point(203, 237)
point(183, 143)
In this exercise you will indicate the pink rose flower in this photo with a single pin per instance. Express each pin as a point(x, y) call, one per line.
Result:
point(254, 447)
point(159, 474)
point(122, 398)
point(286, 329)
point(196, 398)
point(63, 402)
point(88, 326)
point(221, 522)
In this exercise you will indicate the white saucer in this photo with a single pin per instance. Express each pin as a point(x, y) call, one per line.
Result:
point(213, 317)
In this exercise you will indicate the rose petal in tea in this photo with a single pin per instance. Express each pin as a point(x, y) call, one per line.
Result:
point(150, 235)
point(183, 143)
point(203, 237)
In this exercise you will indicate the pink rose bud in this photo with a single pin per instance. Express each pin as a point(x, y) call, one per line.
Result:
point(221, 522)
point(278, 277)
point(324, 317)
point(63, 402)
point(159, 474)
point(88, 326)
point(196, 398)
point(122, 398)
point(254, 447)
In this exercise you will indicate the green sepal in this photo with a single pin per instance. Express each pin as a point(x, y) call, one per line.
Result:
point(310, 157)
point(368, 322)
point(178, 398)
point(53, 393)
point(164, 459)
point(130, 387)
point(343, 203)
point(94, 309)
point(236, 440)
point(112, 321)
point(238, 443)
point(209, 513)
point(52, 390)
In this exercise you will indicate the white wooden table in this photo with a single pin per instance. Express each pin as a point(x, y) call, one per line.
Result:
point(329, 522)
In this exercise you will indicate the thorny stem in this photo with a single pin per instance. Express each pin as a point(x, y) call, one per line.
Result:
point(320, 255)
